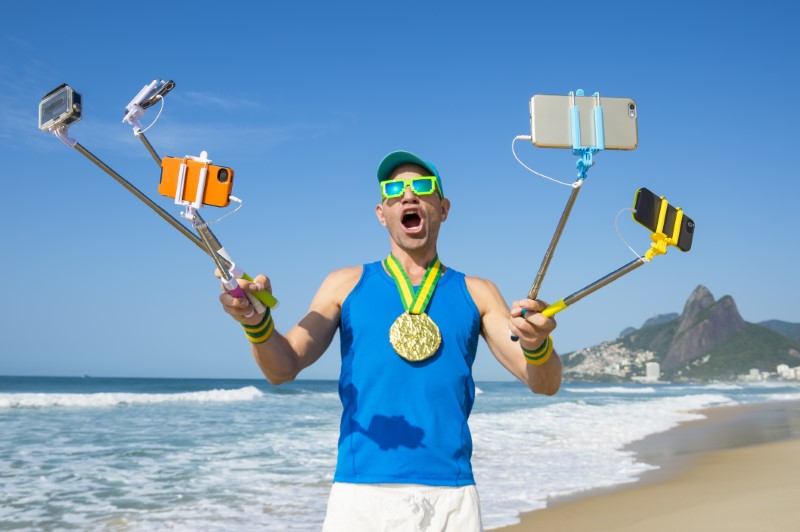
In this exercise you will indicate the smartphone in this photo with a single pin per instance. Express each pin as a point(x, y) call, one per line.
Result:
point(219, 181)
point(647, 208)
point(551, 121)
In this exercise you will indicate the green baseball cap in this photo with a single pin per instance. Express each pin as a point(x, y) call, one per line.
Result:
point(400, 157)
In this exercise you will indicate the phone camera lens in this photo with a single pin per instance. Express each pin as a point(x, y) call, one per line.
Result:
point(222, 175)
point(631, 107)
point(690, 227)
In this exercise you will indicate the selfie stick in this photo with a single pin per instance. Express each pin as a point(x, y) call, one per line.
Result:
point(144, 99)
point(213, 246)
point(228, 281)
point(585, 162)
point(658, 246)
point(150, 94)
point(263, 296)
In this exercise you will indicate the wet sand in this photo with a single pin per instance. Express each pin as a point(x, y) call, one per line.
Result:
point(736, 470)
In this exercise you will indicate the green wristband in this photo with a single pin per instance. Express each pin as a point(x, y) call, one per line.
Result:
point(261, 332)
point(540, 355)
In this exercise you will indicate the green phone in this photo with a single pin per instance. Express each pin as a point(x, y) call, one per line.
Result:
point(647, 209)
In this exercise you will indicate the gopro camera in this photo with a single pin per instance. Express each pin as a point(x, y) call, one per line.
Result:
point(59, 107)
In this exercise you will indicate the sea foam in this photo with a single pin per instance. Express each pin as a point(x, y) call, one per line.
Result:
point(96, 400)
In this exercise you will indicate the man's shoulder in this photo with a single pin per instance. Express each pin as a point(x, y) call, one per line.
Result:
point(345, 275)
point(479, 283)
point(483, 291)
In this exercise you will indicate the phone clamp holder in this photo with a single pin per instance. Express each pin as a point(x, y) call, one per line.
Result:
point(150, 94)
point(586, 153)
point(659, 239)
point(192, 206)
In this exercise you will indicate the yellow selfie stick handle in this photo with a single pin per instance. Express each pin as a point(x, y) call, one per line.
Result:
point(263, 296)
point(554, 309)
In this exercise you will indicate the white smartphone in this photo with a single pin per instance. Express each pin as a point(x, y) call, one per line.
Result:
point(551, 122)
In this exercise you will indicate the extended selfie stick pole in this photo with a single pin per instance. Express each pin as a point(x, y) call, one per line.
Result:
point(147, 145)
point(212, 244)
point(658, 246)
point(139, 194)
point(585, 162)
point(557, 307)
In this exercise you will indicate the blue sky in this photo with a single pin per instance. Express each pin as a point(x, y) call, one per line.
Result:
point(304, 99)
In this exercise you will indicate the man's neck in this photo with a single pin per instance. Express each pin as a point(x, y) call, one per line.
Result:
point(414, 262)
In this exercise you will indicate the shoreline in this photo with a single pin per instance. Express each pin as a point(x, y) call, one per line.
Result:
point(727, 471)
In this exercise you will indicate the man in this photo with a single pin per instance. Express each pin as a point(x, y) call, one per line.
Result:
point(409, 328)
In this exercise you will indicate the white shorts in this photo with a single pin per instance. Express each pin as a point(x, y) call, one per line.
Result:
point(402, 507)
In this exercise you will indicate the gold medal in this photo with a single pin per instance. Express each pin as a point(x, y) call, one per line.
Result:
point(413, 334)
point(415, 337)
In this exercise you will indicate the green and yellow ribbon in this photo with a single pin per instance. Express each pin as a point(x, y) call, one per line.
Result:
point(415, 301)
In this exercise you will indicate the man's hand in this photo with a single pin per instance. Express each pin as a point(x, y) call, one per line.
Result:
point(532, 328)
point(241, 309)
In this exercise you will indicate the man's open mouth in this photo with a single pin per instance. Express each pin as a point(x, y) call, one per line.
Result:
point(412, 221)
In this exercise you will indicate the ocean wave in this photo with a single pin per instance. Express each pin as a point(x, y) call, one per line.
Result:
point(722, 386)
point(568, 447)
point(785, 397)
point(612, 390)
point(95, 400)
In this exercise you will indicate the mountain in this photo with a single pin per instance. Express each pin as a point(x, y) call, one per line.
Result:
point(792, 330)
point(708, 340)
point(655, 320)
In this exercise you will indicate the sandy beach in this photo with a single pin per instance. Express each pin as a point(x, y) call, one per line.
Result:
point(736, 470)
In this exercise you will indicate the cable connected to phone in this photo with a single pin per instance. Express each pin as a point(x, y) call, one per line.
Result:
point(619, 233)
point(138, 132)
point(235, 200)
point(514, 152)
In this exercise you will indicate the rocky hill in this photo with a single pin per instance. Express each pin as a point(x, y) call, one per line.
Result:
point(792, 330)
point(708, 340)
point(655, 320)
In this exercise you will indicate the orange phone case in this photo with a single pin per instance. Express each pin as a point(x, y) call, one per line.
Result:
point(218, 185)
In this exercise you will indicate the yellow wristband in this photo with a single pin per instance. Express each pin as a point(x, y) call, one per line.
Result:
point(540, 355)
point(260, 333)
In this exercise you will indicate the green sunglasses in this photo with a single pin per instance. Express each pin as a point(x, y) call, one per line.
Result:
point(421, 186)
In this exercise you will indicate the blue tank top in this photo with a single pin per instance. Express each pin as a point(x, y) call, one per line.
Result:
point(406, 422)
